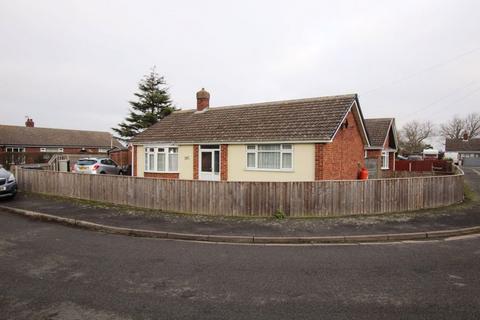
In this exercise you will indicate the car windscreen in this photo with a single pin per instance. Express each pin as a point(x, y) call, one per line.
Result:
point(86, 162)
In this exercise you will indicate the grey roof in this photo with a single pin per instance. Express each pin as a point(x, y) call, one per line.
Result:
point(378, 129)
point(44, 137)
point(314, 119)
point(453, 145)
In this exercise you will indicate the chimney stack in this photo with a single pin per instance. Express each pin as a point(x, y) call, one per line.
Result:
point(465, 136)
point(29, 123)
point(203, 100)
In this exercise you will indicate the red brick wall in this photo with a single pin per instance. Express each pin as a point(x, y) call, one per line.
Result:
point(195, 161)
point(391, 161)
point(224, 162)
point(161, 175)
point(340, 159)
point(372, 154)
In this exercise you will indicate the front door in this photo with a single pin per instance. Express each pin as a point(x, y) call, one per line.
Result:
point(209, 162)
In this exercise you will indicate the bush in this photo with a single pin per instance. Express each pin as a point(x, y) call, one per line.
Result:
point(279, 214)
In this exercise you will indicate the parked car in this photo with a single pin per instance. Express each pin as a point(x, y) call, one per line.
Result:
point(97, 166)
point(8, 184)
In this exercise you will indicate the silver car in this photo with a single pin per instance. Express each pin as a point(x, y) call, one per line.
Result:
point(8, 184)
point(97, 166)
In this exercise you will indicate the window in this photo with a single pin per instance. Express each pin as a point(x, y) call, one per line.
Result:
point(161, 159)
point(270, 156)
point(103, 150)
point(51, 150)
point(385, 160)
point(15, 149)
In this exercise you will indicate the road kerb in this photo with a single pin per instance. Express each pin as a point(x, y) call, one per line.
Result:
point(439, 234)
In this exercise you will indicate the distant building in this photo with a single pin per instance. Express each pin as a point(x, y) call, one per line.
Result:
point(461, 149)
point(30, 144)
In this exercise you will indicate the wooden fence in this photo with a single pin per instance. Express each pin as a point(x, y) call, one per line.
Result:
point(295, 199)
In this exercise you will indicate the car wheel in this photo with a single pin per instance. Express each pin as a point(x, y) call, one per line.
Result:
point(102, 172)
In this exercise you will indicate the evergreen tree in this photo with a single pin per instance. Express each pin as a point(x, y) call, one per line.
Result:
point(153, 103)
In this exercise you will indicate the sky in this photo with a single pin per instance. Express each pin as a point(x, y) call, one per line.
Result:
point(76, 64)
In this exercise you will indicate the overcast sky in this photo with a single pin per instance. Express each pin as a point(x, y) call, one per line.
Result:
point(75, 64)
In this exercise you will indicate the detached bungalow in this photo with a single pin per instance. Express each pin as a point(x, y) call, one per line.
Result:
point(295, 140)
point(380, 154)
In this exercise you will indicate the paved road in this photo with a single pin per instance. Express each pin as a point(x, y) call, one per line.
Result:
point(49, 271)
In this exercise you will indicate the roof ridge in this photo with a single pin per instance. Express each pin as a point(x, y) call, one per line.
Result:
point(391, 118)
point(33, 128)
point(277, 102)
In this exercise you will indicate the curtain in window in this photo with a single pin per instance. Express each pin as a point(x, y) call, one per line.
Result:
point(287, 160)
point(160, 161)
point(173, 162)
point(251, 160)
point(269, 160)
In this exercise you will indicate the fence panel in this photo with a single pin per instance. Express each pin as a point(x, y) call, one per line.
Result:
point(295, 199)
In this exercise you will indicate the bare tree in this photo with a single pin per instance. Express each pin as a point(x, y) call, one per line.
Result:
point(472, 124)
point(453, 129)
point(413, 136)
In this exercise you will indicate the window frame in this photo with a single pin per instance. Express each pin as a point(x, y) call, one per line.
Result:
point(45, 150)
point(385, 164)
point(282, 150)
point(15, 149)
point(166, 152)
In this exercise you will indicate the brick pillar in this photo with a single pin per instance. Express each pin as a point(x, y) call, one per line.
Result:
point(135, 159)
point(195, 161)
point(319, 161)
point(224, 162)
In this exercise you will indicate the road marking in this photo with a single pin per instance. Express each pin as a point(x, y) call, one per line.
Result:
point(477, 172)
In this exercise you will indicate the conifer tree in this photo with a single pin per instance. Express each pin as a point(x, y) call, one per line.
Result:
point(153, 103)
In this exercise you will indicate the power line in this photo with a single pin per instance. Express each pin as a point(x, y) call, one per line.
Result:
point(455, 58)
point(451, 93)
point(469, 94)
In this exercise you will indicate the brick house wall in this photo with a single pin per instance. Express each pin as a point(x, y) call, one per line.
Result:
point(161, 175)
point(340, 159)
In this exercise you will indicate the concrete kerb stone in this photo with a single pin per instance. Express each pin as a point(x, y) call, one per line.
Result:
point(242, 239)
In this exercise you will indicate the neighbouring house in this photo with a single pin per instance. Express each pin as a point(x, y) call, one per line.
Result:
point(465, 150)
point(380, 155)
point(295, 140)
point(30, 144)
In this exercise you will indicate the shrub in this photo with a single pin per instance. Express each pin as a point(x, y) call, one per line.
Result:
point(279, 214)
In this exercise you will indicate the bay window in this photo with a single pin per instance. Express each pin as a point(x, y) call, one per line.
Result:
point(161, 159)
point(270, 157)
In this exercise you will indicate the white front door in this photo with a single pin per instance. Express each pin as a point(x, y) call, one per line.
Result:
point(209, 163)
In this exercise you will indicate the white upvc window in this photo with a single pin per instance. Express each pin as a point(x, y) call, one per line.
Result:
point(270, 157)
point(161, 159)
point(385, 160)
point(15, 149)
point(51, 150)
